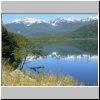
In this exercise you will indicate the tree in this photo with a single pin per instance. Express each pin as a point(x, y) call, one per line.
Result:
point(16, 48)
point(8, 45)
point(28, 49)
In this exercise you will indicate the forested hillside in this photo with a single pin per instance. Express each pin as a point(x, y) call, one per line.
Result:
point(87, 31)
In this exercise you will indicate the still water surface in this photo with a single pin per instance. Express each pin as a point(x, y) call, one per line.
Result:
point(78, 59)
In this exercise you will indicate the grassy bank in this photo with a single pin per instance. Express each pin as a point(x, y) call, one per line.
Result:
point(18, 78)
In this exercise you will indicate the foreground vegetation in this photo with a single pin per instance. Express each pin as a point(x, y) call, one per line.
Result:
point(16, 47)
point(19, 78)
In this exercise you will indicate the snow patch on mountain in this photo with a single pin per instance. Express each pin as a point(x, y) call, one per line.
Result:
point(53, 22)
point(28, 21)
point(56, 21)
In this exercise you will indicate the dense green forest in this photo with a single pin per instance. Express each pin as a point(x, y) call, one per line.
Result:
point(10, 43)
point(87, 31)
point(15, 47)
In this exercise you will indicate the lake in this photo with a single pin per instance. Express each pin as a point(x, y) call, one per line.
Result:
point(76, 58)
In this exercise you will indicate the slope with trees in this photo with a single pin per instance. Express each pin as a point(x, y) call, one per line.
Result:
point(16, 48)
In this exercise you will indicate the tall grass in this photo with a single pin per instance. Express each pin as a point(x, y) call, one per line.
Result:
point(19, 78)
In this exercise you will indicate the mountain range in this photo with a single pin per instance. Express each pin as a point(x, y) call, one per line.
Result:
point(37, 28)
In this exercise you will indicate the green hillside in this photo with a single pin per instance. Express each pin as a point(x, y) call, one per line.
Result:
point(87, 31)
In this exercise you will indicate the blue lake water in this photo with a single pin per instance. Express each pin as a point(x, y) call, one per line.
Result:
point(84, 69)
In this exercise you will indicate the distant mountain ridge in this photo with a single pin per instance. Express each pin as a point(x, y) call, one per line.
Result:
point(37, 28)
point(89, 31)
point(53, 22)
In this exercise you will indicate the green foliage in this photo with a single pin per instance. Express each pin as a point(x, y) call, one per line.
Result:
point(16, 47)
point(8, 45)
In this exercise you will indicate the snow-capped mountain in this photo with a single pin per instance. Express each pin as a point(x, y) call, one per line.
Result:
point(56, 21)
point(28, 21)
point(53, 22)
point(38, 27)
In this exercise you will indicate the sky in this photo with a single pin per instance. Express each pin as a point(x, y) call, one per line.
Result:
point(11, 17)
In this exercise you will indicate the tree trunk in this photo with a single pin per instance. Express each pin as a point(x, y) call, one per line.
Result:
point(23, 63)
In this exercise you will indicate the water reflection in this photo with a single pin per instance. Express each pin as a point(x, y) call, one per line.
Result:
point(81, 67)
point(58, 56)
point(73, 47)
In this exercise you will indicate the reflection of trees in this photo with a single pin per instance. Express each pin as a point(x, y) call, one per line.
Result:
point(36, 68)
point(88, 46)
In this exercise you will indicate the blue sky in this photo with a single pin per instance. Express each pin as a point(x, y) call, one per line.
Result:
point(11, 17)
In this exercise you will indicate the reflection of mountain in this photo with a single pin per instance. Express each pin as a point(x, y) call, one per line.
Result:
point(36, 28)
point(58, 56)
point(71, 47)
